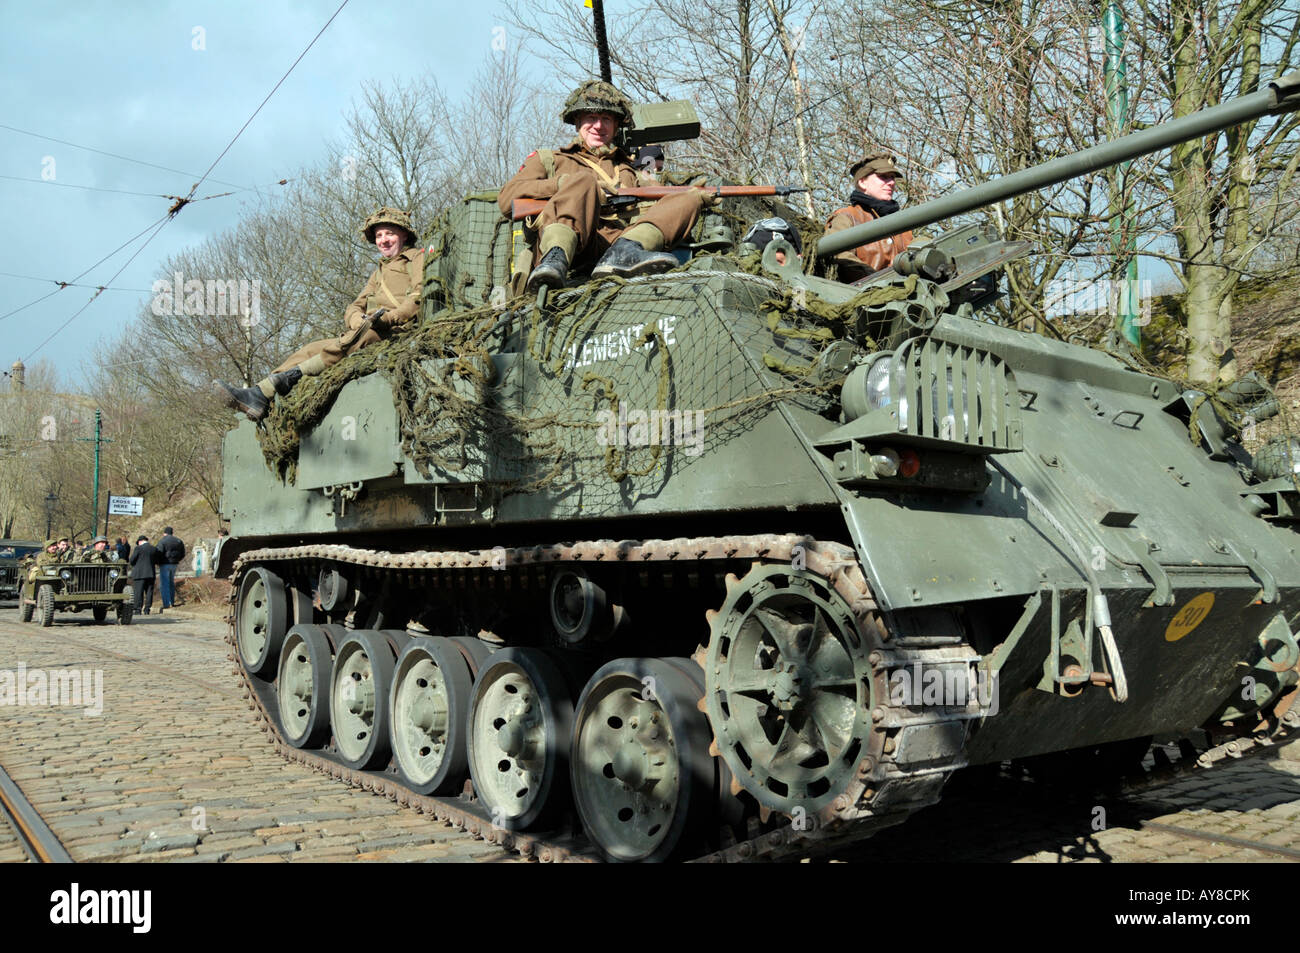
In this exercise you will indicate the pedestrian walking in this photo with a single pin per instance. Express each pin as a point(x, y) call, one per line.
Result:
point(170, 552)
point(144, 558)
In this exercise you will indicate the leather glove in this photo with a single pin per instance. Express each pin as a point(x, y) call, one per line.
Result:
point(380, 316)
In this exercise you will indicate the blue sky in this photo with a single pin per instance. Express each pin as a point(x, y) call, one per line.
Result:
point(170, 84)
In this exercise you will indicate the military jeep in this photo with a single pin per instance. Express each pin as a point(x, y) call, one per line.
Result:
point(12, 554)
point(73, 586)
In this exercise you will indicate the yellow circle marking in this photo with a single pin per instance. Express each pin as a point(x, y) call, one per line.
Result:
point(1189, 617)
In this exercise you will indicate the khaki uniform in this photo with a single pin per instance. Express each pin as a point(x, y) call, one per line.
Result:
point(94, 556)
point(43, 558)
point(394, 285)
point(861, 261)
point(576, 201)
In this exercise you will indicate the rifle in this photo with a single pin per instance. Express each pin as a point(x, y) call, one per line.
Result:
point(522, 208)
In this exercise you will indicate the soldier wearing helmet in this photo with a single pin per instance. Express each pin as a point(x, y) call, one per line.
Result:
point(575, 230)
point(390, 299)
point(874, 175)
point(98, 552)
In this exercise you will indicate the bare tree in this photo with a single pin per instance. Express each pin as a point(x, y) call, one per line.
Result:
point(1227, 193)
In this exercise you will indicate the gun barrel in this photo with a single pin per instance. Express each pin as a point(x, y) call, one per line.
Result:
point(1282, 95)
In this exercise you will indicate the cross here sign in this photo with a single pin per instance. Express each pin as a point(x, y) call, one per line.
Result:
point(125, 505)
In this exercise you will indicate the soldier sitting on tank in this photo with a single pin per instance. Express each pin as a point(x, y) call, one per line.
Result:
point(875, 176)
point(576, 229)
point(762, 232)
point(389, 300)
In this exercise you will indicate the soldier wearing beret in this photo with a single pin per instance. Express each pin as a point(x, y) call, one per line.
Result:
point(576, 227)
point(390, 299)
point(874, 175)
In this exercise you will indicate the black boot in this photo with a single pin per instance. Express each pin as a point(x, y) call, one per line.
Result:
point(550, 271)
point(284, 381)
point(627, 259)
point(250, 400)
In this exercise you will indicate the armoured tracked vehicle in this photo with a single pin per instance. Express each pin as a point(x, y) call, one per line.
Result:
point(733, 559)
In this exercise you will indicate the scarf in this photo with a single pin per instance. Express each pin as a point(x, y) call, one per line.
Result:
point(879, 206)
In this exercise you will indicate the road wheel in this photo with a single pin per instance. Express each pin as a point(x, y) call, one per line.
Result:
point(430, 706)
point(100, 613)
point(643, 778)
point(304, 686)
point(361, 681)
point(24, 607)
point(45, 606)
point(126, 608)
point(261, 620)
point(520, 724)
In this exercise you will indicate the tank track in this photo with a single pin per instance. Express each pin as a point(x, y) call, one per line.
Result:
point(883, 792)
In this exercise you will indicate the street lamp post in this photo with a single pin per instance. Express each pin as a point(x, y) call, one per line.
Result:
point(50, 502)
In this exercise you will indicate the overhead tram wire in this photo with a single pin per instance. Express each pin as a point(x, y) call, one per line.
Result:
point(53, 334)
point(87, 188)
point(268, 96)
point(96, 188)
point(180, 202)
point(66, 284)
point(114, 155)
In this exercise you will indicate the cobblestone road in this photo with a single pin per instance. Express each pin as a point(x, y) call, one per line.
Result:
point(174, 768)
point(11, 848)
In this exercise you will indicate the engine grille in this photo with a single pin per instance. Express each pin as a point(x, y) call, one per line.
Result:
point(88, 579)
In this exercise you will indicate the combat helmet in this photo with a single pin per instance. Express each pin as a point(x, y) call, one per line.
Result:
point(597, 96)
point(389, 216)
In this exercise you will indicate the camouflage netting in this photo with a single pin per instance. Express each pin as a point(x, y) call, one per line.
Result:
point(601, 354)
